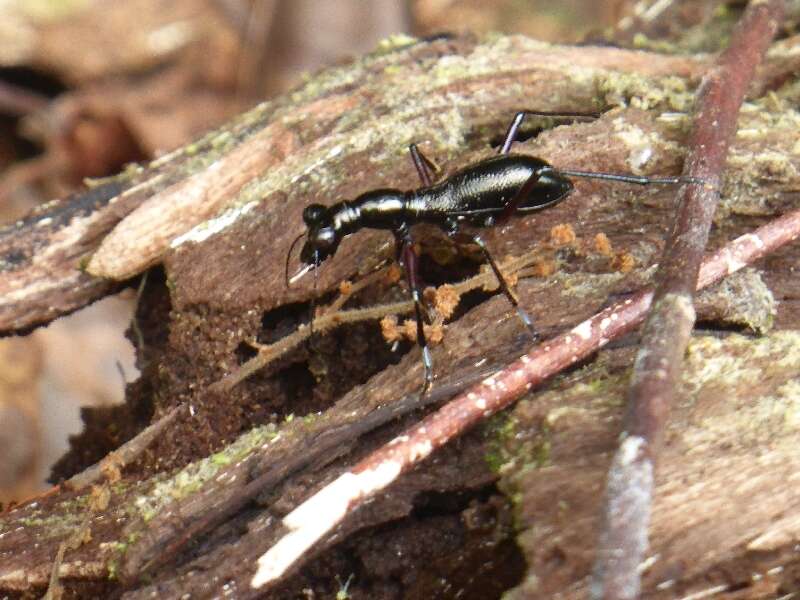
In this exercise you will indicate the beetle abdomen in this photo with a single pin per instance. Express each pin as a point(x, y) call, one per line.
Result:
point(488, 187)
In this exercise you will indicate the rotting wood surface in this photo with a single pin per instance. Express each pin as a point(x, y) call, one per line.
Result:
point(349, 129)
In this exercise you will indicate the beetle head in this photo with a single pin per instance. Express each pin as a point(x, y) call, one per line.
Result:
point(322, 239)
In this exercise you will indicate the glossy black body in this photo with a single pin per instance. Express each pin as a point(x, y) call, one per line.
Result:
point(477, 195)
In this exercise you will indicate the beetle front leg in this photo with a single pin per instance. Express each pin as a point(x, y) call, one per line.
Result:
point(409, 260)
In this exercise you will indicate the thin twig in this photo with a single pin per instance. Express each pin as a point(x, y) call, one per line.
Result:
point(347, 291)
point(623, 537)
point(125, 454)
point(330, 320)
point(320, 513)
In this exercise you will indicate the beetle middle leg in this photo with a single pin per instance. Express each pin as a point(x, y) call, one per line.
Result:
point(424, 167)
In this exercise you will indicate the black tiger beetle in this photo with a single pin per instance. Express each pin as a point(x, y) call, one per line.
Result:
point(480, 195)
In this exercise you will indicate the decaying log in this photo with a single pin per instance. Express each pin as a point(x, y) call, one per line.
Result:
point(237, 461)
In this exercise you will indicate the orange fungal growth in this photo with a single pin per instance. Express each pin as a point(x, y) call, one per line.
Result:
point(544, 268)
point(623, 262)
point(434, 333)
point(393, 274)
point(563, 234)
point(389, 329)
point(602, 245)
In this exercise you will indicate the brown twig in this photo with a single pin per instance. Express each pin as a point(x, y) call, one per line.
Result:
point(334, 318)
point(320, 513)
point(348, 289)
point(623, 537)
point(125, 454)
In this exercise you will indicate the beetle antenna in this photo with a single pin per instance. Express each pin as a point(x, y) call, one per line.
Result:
point(637, 179)
point(289, 256)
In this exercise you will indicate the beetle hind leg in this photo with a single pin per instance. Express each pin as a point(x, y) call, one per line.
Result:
point(424, 165)
point(516, 123)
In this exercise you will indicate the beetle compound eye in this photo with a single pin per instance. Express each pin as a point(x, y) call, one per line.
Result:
point(313, 214)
